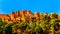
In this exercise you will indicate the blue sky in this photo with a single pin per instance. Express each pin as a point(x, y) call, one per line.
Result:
point(7, 6)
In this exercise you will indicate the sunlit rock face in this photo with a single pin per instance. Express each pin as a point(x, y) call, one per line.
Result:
point(41, 16)
point(59, 16)
point(36, 15)
point(17, 16)
point(19, 13)
point(24, 15)
point(4, 17)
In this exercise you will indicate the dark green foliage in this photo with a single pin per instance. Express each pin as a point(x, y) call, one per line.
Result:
point(23, 26)
point(32, 25)
point(38, 30)
point(8, 30)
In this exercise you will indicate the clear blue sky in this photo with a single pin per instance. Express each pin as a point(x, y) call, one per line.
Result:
point(7, 6)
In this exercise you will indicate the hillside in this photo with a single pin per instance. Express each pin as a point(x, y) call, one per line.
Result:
point(25, 22)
